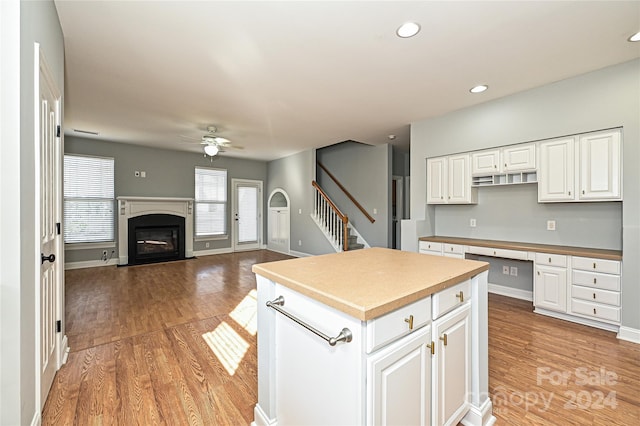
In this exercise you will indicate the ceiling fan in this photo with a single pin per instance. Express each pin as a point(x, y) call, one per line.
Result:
point(213, 144)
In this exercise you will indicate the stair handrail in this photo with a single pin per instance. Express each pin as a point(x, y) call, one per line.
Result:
point(347, 193)
point(343, 218)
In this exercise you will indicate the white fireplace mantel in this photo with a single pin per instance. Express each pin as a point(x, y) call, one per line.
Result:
point(129, 207)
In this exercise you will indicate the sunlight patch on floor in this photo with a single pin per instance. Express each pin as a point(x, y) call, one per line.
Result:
point(245, 313)
point(227, 346)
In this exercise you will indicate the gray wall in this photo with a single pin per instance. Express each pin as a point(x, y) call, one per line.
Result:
point(38, 22)
point(602, 99)
point(294, 174)
point(169, 174)
point(365, 171)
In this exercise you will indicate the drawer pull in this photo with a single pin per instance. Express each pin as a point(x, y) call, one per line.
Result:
point(569, 192)
point(451, 248)
point(494, 252)
point(409, 321)
point(432, 346)
point(594, 265)
point(444, 337)
point(594, 311)
point(549, 260)
point(594, 280)
point(460, 296)
point(594, 295)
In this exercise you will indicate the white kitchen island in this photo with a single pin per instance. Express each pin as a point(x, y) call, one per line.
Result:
point(373, 336)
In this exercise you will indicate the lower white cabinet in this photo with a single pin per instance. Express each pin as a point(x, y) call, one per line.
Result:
point(451, 366)
point(550, 288)
point(399, 385)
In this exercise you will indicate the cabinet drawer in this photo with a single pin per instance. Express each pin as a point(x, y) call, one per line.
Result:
point(391, 326)
point(596, 295)
point(551, 259)
point(453, 249)
point(596, 265)
point(596, 310)
point(595, 280)
point(446, 300)
point(507, 254)
point(428, 246)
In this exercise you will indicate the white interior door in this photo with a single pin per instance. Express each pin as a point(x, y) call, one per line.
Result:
point(247, 214)
point(49, 289)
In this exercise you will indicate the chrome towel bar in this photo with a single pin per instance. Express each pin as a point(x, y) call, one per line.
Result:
point(344, 336)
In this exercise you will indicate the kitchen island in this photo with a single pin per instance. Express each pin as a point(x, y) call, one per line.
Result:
point(374, 336)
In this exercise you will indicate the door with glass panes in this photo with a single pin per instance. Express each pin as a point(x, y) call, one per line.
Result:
point(246, 214)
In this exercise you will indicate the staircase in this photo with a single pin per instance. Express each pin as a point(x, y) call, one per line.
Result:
point(333, 223)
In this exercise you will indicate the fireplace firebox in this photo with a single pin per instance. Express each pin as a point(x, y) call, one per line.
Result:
point(156, 238)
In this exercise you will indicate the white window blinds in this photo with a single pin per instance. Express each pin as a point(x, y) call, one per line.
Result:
point(88, 199)
point(211, 202)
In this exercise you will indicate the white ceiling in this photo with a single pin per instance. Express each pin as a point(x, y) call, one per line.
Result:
point(283, 77)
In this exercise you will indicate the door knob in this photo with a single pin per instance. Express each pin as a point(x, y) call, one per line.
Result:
point(51, 258)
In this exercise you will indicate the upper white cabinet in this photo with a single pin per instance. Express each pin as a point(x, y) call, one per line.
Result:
point(600, 171)
point(449, 180)
point(519, 158)
point(556, 180)
point(485, 162)
point(581, 168)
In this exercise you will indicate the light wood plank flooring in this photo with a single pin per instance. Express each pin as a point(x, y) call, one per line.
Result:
point(174, 344)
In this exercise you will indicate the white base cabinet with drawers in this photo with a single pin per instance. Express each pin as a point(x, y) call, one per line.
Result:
point(412, 366)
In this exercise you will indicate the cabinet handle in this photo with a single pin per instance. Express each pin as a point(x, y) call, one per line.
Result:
point(538, 272)
point(549, 260)
point(494, 253)
point(432, 346)
point(594, 265)
point(429, 246)
point(444, 337)
point(594, 280)
point(505, 165)
point(409, 321)
point(460, 296)
point(594, 311)
point(594, 295)
point(569, 192)
point(583, 192)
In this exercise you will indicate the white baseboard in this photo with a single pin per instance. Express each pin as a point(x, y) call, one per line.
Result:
point(90, 264)
point(482, 415)
point(211, 252)
point(577, 319)
point(629, 334)
point(511, 292)
point(64, 349)
point(279, 251)
point(260, 418)
point(37, 420)
point(299, 254)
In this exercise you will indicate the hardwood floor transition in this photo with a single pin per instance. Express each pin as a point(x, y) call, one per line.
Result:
point(175, 344)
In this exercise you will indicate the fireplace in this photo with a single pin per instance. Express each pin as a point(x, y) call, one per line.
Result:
point(156, 238)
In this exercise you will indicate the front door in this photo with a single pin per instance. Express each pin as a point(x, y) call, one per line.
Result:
point(49, 291)
point(247, 214)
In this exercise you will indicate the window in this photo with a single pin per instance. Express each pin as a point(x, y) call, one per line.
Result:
point(88, 199)
point(211, 202)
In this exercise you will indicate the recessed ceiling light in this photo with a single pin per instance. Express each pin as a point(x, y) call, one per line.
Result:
point(479, 89)
point(392, 137)
point(408, 29)
point(635, 37)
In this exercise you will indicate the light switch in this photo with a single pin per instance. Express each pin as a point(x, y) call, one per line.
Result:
point(143, 174)
point(551, 225)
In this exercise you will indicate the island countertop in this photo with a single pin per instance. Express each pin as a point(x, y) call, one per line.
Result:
point(371, 282)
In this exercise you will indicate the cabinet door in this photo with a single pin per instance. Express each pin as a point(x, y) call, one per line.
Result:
point(600, 171)
point(550, 289)
point(556, 178)
point(399, 389)
point(519, 157)
point(437, 180)
point(485, 162)
point(459, 185)
point(452, 366)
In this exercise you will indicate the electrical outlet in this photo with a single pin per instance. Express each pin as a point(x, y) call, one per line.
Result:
point(514, 271)
point(299, 211)
point(136, 173)
point(143, 174)
point(206, 245)
point(551, 225)
point(104, 255)
point(472, 223)
point(375, 211)
point(299, 242)
point(505, 269)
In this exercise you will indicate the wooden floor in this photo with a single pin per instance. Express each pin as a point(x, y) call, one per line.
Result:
point(175, 344)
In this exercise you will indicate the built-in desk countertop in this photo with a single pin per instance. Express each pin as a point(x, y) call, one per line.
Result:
point(370, 282)
point(529, 247)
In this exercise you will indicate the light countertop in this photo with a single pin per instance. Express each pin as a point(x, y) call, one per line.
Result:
point(371, 282)
point(540, 248)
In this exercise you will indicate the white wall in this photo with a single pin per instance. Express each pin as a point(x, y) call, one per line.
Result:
point(601, 99)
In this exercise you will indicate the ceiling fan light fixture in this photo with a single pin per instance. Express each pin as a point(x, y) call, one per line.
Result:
point(635, 37)
point(221, 140)
point(408, 29)
point(211, 150)
point(479, 89)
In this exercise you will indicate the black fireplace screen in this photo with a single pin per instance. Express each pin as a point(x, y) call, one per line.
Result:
point(156, 238)
point(157, 241)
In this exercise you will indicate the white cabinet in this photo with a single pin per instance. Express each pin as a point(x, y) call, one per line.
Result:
point(519, 157)
point(485, 162)
point(449, 180)
point(581, 168)
point(595, 289)
point(399, 388)
point(428, 247)
point(550, 284)
point(451, 366)
point(556, 175)
point(600, 171)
